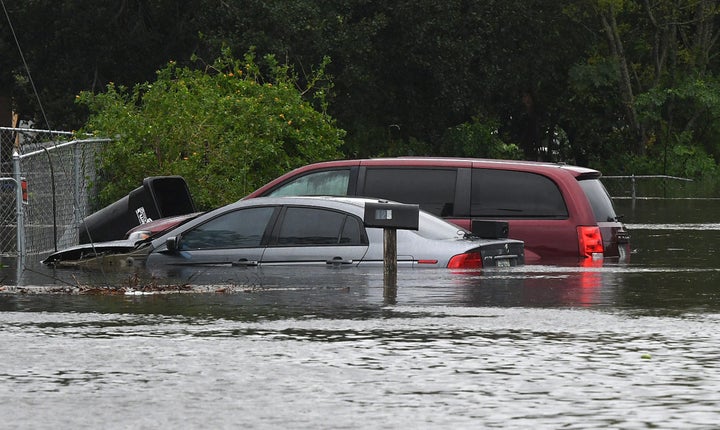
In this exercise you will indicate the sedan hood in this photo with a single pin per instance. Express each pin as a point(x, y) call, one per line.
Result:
point(124, 252)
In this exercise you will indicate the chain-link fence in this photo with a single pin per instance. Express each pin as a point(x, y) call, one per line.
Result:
point(55, 174)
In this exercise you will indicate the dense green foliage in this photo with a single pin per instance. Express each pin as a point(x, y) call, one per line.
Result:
point(627, 86)
point(224, 129)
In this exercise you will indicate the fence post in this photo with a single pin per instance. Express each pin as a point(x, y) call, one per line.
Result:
point(77, 175)
point(17, 174)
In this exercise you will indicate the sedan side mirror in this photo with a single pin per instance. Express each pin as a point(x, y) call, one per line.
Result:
point(172, 244)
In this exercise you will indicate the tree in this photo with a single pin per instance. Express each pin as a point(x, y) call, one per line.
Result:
point(575, 81)
point(71, 46)
point(654, 74)
point(226, 128)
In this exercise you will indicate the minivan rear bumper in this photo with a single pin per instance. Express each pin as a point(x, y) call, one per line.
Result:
point(616, 241)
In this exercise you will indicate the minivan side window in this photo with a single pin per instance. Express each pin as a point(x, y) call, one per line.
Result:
point(432, 189)
point(313, 226)
point(325, 183)
point(513, 194)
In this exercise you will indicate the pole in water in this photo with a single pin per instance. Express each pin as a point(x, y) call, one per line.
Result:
point(390, 258)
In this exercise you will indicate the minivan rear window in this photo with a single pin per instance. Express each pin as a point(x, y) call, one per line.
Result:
point(432, 189)
point(514, 194)
point(600, 201)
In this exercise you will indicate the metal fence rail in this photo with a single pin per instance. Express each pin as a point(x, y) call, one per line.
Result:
point(634, 181)
point(55, 176)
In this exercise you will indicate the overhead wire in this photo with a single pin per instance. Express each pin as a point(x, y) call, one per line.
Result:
point(39, 102)
point(27, 68)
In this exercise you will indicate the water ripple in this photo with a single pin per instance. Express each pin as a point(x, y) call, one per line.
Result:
point(420, 366)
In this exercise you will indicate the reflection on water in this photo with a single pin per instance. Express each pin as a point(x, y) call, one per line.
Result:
point(605, 345)
point(669, 269)
point(687, 226)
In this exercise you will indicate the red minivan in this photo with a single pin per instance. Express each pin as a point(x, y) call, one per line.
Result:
point(563, 213)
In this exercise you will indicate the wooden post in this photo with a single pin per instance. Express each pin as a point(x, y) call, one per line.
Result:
point(15, 121)
point(390, 263)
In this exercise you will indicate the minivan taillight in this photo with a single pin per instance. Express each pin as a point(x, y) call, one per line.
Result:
point(590, 241)
point(468, 260)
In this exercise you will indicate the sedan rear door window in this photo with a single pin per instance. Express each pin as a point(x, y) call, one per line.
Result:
point(303, 226)
point(312, 236)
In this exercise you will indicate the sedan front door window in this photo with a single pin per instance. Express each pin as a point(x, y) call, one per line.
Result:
point(232, 237)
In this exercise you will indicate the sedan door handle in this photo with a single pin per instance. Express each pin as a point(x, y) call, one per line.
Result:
point(338, 260)
point(244, 262)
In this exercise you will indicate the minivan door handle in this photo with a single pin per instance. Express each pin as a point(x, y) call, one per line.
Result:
point(338, 260)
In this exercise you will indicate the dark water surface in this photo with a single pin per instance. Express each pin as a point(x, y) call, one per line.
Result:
point(615, 346)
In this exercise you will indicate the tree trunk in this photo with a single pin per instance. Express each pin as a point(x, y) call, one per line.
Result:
point(625, 84)
point(705, 35)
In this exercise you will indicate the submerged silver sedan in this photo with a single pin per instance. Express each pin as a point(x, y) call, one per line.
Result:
point(323, 231)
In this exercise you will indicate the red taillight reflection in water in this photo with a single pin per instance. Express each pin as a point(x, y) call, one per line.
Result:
point(427, 262)
point(589, 282)
point(591, 248)
point(468, 260)
point(590, 241)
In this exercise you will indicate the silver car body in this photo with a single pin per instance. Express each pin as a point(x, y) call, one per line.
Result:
point(432, 245)
point(227, 237)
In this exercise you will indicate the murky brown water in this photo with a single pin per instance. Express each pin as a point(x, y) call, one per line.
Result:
point(618, 346)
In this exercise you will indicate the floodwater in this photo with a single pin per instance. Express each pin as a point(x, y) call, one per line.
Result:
point(614, 346)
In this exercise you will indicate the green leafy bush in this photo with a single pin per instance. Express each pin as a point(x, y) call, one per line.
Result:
point(226, 129)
